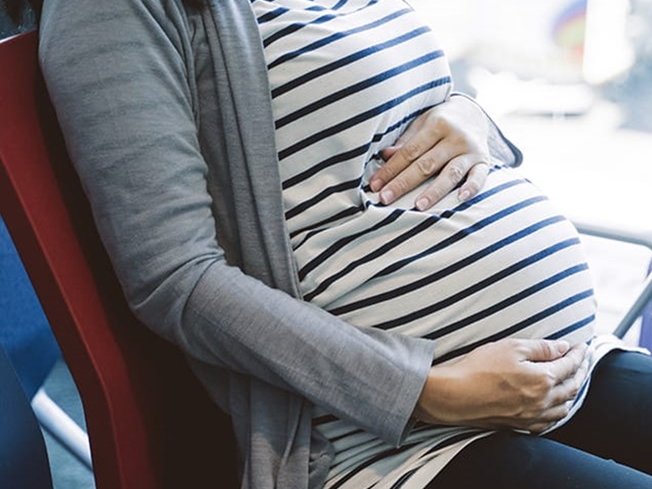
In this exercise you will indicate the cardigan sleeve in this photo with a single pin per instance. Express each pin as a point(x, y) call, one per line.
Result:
point(117, 73)
point(500, 147)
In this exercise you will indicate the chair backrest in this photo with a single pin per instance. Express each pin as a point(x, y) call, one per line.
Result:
point(150, 424)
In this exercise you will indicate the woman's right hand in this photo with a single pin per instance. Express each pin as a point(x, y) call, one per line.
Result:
point(512, 383)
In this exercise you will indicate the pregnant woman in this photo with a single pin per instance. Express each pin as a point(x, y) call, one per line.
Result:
point(371, 292)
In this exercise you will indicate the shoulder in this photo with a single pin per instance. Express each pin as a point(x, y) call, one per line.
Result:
point(86, 23)
point(100, 38)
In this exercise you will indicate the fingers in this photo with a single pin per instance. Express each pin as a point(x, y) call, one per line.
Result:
point(402, 154)
point(571, 372)
point(561, 377)
point(557, 372)
point(545, 420)
point(409, 164)
point(570, 364)
point(474, 181)
point(557, 411)
point(468, 166)
point(544, 350)
point(568, 387)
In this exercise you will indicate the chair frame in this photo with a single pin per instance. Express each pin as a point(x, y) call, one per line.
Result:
point(643, 299)
point(150, 423)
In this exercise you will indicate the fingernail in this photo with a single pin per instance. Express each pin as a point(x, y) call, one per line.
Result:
point(375, 184)
point(563, 346)
point(464, 195)
point(422, 204)
point(386, 196)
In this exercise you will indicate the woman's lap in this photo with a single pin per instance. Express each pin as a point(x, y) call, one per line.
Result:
point(594, 450)
point(616, 419)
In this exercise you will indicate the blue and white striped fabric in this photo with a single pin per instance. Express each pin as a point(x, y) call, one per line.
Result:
point(346, 78)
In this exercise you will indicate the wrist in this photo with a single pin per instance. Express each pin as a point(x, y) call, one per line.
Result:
point(436, 403)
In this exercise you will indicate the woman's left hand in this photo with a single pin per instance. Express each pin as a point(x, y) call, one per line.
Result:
point(449, 142)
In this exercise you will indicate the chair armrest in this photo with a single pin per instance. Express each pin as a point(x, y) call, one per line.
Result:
point(624, 234)
point(636, 309)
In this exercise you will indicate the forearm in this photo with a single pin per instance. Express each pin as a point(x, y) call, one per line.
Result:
point(366, 376)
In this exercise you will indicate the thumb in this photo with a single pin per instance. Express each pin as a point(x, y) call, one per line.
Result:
point(547, 350)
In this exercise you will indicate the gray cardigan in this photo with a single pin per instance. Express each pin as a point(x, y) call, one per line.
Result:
point(167, 117)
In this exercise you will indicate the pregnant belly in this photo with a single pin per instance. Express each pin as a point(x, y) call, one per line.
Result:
point(506, 263)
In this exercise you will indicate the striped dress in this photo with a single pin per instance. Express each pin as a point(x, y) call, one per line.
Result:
point(346, 78)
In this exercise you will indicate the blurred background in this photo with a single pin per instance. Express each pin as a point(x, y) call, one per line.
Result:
point(570, 83)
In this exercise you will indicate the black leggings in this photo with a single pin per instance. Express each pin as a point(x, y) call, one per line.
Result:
point(606, 445)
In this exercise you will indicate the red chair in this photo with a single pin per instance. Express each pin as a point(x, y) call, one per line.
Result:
point(151, 425)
